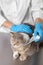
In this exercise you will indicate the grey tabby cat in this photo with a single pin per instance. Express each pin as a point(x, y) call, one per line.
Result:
point(20, 51)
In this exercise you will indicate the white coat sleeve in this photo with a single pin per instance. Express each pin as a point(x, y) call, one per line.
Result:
point(2, 19)
point(37, 9)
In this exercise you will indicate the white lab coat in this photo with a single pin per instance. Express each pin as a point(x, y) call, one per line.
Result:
point(20, 11)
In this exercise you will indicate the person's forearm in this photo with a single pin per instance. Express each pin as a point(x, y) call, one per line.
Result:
point(7, 24)
point(38, 20)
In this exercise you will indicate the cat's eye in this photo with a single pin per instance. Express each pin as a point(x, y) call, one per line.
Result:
point(17, 41)
point(14, 43)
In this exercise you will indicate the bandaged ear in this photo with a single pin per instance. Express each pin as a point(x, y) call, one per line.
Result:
point(25, 36)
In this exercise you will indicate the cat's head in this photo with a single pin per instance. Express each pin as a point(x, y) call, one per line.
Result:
point(18, 38)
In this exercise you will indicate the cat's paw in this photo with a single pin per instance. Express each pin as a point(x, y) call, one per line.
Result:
point(15, 55)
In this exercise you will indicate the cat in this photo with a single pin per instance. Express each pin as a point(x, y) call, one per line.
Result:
point(19, 51)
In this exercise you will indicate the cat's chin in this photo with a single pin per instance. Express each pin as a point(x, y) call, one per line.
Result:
point(23, 58)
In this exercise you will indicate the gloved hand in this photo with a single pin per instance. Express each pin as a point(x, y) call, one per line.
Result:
point(38, 31)
point(21, 28)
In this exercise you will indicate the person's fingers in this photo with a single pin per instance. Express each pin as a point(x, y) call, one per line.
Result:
point(41, 34)
point(21, 28)
point(25, 29)
point(36, 32)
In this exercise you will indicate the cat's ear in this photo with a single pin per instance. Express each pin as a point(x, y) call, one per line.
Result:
point(11, 33)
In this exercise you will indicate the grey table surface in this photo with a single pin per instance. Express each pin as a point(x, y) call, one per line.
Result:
point(6, 53)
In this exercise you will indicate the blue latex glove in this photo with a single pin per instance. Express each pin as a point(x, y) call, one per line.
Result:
point(38, 31)
point(21, 28)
